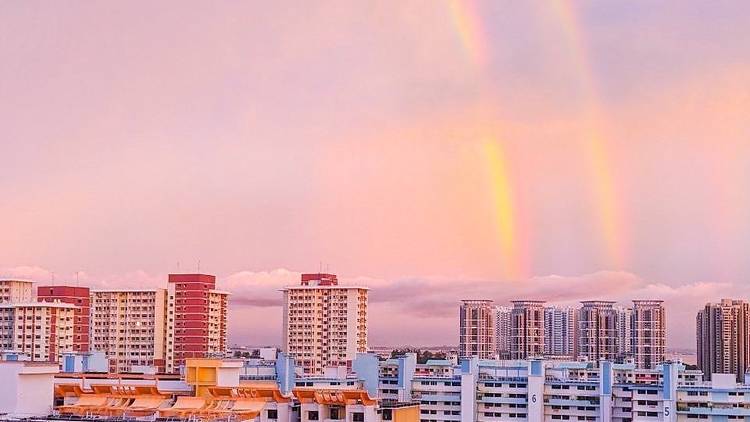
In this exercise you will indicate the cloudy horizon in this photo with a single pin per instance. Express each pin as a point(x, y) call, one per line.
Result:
point(425, 310)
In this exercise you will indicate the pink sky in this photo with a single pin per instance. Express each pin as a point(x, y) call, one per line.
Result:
point(262, 139)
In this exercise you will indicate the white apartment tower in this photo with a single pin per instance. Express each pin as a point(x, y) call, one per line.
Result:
point(624, 331)
point(649, 328)
point(560, 328)
point(502, 331)
point(325, 324)
point(41, 331)
point(128, 326)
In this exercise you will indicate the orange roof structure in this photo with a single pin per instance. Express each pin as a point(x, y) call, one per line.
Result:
point(333, 397)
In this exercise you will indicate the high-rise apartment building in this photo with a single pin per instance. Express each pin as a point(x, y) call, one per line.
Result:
point(16, 291)
point(80, 298)
point(560, 328)
point(624, 331)
point(41, 331)
point(477, 329)
point(722, 333)
point(649, 329)
point(196, 319)
point(502, 331)
point(128, 326)
point(527, 329)
point(324, 323)
point(598, 331)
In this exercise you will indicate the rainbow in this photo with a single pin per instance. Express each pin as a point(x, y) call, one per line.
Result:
point(467, 23)
point(512, 263)
point(596, 144)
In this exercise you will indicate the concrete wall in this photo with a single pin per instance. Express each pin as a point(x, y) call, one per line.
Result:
point(27, 389)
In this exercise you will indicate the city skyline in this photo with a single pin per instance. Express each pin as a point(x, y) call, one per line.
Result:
point(472, 149)
point(263, 291)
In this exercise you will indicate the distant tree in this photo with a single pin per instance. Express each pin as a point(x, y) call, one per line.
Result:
point(422, 356)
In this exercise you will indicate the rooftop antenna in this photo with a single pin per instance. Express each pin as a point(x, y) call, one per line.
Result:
point(77, 272)
point(178, 266)
point(52, 277)
point(320, 267)
point(199, 266)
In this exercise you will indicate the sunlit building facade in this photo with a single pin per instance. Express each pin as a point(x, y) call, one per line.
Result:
point(477, 329)
point(324, 323)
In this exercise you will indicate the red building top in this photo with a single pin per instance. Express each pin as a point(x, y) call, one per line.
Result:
point(78, 296)
point(319, 279)
point(59, 292)
point(193, 278)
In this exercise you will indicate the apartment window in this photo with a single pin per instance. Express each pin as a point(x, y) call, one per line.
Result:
point(272, 414)
point(312, 415)
point(358, 417)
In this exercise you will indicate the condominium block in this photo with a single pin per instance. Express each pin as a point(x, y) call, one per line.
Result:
point(527, 329)
point(16, 291)
point(624, 331)
point(722, 334)
point(324, 323)
point(80, 298)
point(649, 332)
point(560, 328)
point(477, 329)
point(196, 319)
point(598, 334)
point(40, 331)
point(128, 326)
point(502, 331)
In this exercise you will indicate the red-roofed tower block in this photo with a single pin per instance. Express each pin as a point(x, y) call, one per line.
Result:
point(196, 319)
point(81, 298)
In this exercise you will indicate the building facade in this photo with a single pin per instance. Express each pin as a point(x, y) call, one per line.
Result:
point(196, 319)
point(527, 329)
point(42, 332)
point(624, 331)
point(16, 291)
point(477, 329)
point(128, 326)
point(80, 298)
point(598, 336)
point(722, 334)
point(547, 391)
point(560, 330)
point(324, 323)
point(649, 333)
point(502, 332)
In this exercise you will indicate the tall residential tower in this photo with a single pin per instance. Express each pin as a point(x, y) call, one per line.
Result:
point(477, 329)
point(527, 329)
point(597, 331)
point(196, 319)
point(723, 331)
point(560, 328)
point(325, 324)
point(649, 333)
point(502, 331)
